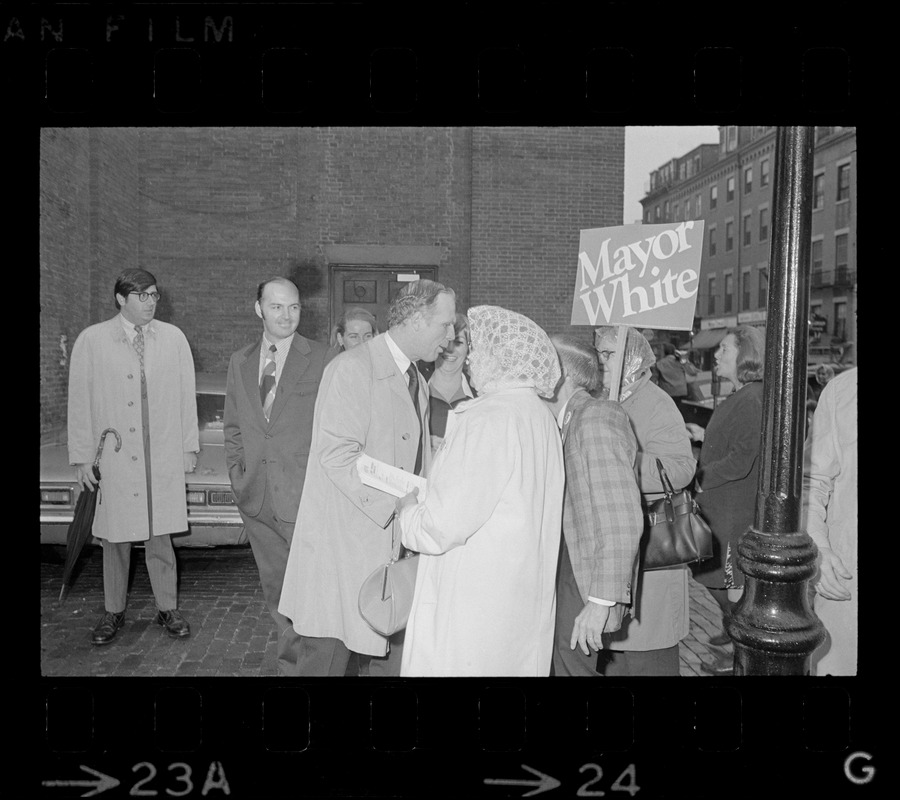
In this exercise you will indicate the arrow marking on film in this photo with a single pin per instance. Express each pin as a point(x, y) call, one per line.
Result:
point(543, 785)
point(105, 782)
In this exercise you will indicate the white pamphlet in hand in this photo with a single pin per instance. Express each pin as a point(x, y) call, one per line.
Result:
point(390, 479)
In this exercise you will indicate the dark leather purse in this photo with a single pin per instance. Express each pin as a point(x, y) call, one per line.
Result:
point(674, 531)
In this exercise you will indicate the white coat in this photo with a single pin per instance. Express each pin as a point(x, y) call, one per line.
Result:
point(105, 392)
point(830, 515)
point(488, 532)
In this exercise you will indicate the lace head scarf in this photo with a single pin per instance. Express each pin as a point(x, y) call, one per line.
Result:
point(508, 349)
point(638, 356)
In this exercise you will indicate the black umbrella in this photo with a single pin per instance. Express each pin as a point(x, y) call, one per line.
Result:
point(83, 521)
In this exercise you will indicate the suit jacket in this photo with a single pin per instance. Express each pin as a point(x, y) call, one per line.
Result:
point(345, 529)
point(602, 516)
point(271, 454)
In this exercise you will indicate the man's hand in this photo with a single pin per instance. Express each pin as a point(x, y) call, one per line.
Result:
point(832, 574)
point(695, 431)
point(84, 476)
point(190, 462)
point(588, 626)
point(407, 500)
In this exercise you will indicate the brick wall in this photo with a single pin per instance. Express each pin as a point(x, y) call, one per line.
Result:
point(65, 262)
point(533, 190)
point(213, 211)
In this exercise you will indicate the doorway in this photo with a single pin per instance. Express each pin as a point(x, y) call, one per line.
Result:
point(372, 288)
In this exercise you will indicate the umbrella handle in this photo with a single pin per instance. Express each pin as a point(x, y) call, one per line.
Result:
point(103, 441)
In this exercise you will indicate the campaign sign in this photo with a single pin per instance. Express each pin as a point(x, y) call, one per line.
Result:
point(645, 276)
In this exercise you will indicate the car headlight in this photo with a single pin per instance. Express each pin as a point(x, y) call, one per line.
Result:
point(196, 497)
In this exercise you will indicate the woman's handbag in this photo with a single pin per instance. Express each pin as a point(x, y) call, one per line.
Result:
point(385, 598)
point(675, 533)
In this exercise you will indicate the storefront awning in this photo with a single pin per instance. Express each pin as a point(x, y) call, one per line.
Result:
point(708, 338)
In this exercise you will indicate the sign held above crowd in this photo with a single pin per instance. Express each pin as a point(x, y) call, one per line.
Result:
point(639, 275)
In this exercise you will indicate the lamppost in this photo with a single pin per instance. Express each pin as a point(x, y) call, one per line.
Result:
point(773, 626)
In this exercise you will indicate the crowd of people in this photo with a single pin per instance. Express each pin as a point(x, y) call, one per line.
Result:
point(538, 480)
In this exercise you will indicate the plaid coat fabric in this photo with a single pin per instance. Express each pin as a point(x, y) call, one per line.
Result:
point(602, 517)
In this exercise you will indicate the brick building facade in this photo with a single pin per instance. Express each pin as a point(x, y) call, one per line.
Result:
point(495, 213)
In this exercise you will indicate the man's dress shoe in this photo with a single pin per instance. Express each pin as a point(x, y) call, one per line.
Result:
point(176, 625)
point(107, 628)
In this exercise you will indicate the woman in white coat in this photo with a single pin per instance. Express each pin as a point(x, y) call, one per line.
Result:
point(488, 531)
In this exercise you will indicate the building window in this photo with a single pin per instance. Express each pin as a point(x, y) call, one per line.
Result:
point(713, 196)
point(712, 240)
point(763, 224)
point(677, 212)
point(840, 320)
point(731, 138)
point(729, 189)
point(711, 296)
point(818, 191)
point(764, 172)
point(747, 232)
point(745, 290)
point(843, 182)
point(748, 180)
point(687, 209)
point(729, 293)
point(763, 289)
point(815, 257)
point(729, 235)
point(658, 213)
point(647, 215)
point(840, 256)
point(699, 204)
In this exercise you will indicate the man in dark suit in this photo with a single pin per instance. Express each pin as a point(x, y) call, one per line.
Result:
point(602, 516)
point(269, 403)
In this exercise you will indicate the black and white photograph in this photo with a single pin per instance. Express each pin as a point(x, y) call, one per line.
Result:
point(417, 376)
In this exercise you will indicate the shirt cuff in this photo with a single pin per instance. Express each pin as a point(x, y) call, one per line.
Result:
point(600, 602)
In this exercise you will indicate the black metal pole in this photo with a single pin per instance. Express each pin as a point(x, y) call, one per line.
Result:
point(773, 626)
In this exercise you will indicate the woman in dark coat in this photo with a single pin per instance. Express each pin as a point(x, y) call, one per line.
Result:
point(729, 467)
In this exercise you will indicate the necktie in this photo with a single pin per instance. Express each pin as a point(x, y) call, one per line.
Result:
point(139, 344)
point(414, 394)
point(267, 384)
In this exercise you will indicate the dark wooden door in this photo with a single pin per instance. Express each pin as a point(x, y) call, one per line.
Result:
point(372, 288)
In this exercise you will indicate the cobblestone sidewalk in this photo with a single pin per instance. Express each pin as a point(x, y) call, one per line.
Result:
point(232, 633)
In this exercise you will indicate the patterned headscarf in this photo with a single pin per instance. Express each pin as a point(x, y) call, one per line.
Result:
point(508, 349)
point(638, 356)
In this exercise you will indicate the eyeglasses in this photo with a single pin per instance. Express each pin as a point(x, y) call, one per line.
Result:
point(142, 296)
point(605, 354)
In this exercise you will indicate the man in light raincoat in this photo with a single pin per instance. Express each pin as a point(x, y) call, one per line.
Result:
point(135, 374)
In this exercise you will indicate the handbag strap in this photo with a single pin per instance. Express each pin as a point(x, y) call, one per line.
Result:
point(664, 479)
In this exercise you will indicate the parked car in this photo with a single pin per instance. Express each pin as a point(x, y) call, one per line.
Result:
point(213, 518)
point(700, 403)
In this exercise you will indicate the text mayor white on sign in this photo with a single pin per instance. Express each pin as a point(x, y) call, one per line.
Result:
point(639, 275)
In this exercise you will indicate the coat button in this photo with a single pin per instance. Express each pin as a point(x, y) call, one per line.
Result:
point(405, 436)
point(134, 458)
point(130, 377)
point(130, 403)
point(263, 461)
point(135, 494)
point(131, 430)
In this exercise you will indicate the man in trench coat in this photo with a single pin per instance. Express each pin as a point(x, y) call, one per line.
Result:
point(345, 529)
point(135, 374)
point(268, 425)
